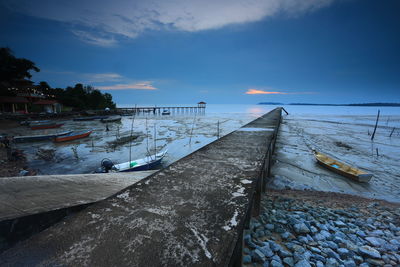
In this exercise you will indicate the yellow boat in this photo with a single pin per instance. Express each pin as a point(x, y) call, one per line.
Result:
point(342, 168)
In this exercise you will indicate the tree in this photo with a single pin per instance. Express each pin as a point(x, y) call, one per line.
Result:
point(14, 71)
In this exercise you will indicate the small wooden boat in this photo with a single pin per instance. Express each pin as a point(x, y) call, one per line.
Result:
point(46, 126)
point(91, 118)
point(112, 119)
point(33, 138)
point(31, 123)
point(72, 136)
point(342, 168)
point(143, 164)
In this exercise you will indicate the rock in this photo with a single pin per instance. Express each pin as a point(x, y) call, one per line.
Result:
point(370, 252)
point(339, 224)
point(275, 263)
point(375, 241)
point(343, 252)
point(364, 264)
point(246, 251)
point(332, 245)
point(375, 262)
point(315, 250)
point(377, 233)
point(277, 258)
point(258, 256)
point(331, 262)
point(319, 264)
point(270, 227)
point(313, 229)
point(246, 259)
point(266, 264)
point(285, 235)
point(301, 228)
point(266, 250)
point(288, 261)
point(302, 239)
point(349, 263)
point(284, 253)
point(274, 246)
point(361, 233)
point(358, 259)
point(302, 263)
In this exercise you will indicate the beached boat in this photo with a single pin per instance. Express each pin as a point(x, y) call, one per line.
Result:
point(46, 126)
point(34, 138)
point(342, 168)
point(143, 164)
point(31, 123)
point(91, 118)
point(72, 136)
point(111, 119)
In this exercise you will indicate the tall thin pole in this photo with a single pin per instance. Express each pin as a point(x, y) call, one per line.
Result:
point(130, 139)
point(218, 130)
point(155, 141)
point(376, 124)
point(191, 131)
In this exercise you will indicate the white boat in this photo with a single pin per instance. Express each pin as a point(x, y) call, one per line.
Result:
point(142, 164)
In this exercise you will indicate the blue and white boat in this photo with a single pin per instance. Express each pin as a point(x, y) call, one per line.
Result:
point(142, 164)
point(34, 138)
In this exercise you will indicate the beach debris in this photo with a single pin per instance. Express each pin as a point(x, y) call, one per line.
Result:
point(341, 144)
point(46, 154)
point(122, 140)
point(75, 151)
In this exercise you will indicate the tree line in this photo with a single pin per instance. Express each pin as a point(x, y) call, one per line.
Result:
point(15, 79)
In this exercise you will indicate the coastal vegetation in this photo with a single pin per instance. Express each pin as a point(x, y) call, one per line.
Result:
point(15, 80)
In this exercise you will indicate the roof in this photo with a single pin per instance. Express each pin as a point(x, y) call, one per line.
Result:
point(13, 99)
point(201, 102)
point(45, 102)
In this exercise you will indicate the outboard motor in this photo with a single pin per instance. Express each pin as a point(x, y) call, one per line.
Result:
point(106, 165)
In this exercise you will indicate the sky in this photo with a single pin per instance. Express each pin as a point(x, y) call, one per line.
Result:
point(217, 51)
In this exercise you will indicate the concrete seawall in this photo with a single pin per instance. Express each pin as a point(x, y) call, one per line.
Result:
point(191, 213)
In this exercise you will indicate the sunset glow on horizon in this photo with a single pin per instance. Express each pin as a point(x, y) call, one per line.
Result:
point(262, 92)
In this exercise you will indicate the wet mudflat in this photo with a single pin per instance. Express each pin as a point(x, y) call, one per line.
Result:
point(180, 134)
point(346, 138)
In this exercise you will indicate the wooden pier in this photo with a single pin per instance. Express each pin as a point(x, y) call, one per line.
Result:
point(172, 110)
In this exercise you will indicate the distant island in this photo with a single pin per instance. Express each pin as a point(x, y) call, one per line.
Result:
point(357, 105)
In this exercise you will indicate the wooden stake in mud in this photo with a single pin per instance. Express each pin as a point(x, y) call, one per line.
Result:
point(376, 124)
point(392, 131)
point(218, 130)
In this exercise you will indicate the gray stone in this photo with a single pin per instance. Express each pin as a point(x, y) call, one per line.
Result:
point(364, 264)
point(318, 257)
point(258, 256)
point(349, 263)
point(289, 261)
point(284, 253)
point(303, 239)
point(360, 233)
point(266, 250)
point(358, 259)
point(313, 229)
point(331, 262)
point(246, 251)
point(332, 245)
point(343, 252)
point(274, 246)
point(302, 263)
point(330, 253)
point(247, 259)
point(315, 250)
point(275, 263)
point(377, 233)
point(266, 264)
point(375, 241)
point(339, 224)
point(301, 228)
point(285, 235)
point(276, 258)
point(370, 252)
point(269, 227)
point(375, 262)
point(319, 264)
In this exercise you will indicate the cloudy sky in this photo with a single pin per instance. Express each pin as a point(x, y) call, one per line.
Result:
point(218, 51)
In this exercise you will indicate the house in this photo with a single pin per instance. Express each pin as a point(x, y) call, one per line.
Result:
point(13, 104)
point(201, 104)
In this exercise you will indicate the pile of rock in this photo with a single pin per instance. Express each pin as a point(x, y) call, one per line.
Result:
point(297, 232)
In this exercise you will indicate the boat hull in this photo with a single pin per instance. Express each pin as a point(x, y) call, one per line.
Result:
point(72, 137)
point(46, 126)
point(342, 168)
point(37, 138)
point(140, 164)
point(146, 167)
